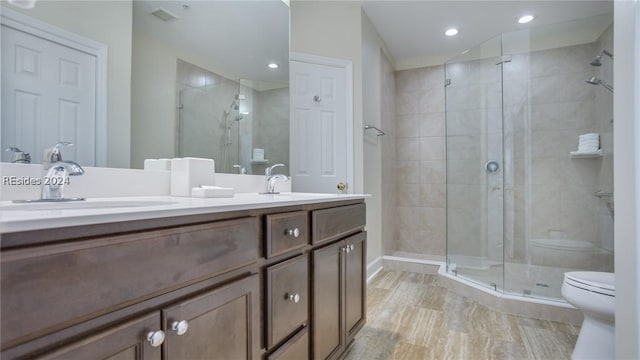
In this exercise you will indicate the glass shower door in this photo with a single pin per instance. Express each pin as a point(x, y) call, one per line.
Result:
point(474, 151)
point(205, 127)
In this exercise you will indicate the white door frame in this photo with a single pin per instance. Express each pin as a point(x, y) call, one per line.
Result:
point(55, 34)
point(347, 65)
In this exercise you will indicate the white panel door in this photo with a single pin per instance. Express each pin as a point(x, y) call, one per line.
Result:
point(318, 138)
point(48, 95)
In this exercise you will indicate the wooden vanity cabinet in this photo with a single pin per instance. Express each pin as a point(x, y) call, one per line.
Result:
point(338, 277)
point(277, 283)
point(124, 342)
point(78, 296)
point(221, 324)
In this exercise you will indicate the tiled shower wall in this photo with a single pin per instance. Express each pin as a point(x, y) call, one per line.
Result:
point(420, 161)
point(547, 105)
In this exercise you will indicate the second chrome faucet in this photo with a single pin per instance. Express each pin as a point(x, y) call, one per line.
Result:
point(270, 179)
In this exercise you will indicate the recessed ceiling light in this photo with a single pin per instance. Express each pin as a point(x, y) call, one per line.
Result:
point(451, 32)
point(525, 19)
point(273, 66)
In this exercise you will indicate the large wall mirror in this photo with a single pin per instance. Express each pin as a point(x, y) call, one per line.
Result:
point(183, 79)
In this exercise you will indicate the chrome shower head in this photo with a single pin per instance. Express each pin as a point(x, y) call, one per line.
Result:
point(595, 81)
point(597, 60)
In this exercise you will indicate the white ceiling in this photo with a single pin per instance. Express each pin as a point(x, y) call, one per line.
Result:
point(237, 38)
point(240, 37)
point(413, 31)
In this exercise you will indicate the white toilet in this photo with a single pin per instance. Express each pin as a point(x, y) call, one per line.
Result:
point(594, 294)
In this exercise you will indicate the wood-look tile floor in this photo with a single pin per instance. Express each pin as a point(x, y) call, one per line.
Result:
point(410, 317)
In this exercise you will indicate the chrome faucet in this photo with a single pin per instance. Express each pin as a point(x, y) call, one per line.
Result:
point(57, 173)
point(270, 179)
point(19, 156)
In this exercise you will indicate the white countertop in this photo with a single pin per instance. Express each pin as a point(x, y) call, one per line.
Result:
point(36, 216)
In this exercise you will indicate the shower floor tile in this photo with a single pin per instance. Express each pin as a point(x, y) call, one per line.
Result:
point(410, 317)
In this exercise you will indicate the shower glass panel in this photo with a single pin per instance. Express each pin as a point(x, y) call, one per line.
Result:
point(526, 201)
point(207, 124)
point(474, 164)
point(555, 223)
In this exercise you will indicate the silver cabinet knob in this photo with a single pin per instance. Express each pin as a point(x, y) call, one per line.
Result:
point(155, 338)
point(180, 327)
point(351, 247)
point(293, 297)
point(294, 232)
point(344, 249)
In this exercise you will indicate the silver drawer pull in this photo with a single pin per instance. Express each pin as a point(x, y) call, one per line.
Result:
point(293, 297)
point(155, 338)
point(180, 327)
point(293, 232)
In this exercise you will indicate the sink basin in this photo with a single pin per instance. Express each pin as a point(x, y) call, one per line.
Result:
point(96, 204)
point(286, 194)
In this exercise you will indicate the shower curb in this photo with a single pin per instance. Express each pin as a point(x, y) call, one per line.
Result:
point(505, 303)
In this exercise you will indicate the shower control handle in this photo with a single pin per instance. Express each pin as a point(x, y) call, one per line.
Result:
point(492, 166)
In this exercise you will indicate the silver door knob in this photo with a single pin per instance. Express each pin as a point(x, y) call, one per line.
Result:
point(317, 98)
point(492, 166)
point(293, 297)
point(180, 327)
point(293, 232)
point(155, 338)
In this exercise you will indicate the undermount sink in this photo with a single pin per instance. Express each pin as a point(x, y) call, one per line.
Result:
point(96, 204)
point(289, 194)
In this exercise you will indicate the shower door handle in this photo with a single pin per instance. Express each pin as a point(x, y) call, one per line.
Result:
point(492, 166)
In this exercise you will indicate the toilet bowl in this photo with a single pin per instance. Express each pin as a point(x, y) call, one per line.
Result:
point(593, 293)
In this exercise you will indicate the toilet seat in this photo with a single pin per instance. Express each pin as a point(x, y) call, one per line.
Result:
point(598, 282)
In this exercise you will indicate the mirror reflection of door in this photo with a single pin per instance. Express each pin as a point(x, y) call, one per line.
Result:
point(48, 95)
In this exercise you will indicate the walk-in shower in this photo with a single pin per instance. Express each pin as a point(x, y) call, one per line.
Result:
point(524, 203)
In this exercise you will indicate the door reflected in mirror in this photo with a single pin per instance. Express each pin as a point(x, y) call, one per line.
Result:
point(166, 63)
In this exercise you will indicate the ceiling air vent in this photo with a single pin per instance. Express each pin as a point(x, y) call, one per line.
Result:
point(164, 14)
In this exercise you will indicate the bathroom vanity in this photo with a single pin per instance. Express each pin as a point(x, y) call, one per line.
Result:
point(252, 277)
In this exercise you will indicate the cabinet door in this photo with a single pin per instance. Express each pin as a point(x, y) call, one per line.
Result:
point(355, 283)
point(297, 348)
point(287, 298)
point(222, 324)
point(327, 310)
point(125, 342)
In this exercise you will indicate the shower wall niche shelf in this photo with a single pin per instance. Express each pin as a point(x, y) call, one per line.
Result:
point(586, 155)
point(255, 162)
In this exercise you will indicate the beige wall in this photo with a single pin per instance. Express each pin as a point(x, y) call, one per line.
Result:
point(627, 177)
point(371, 94)
point(107, 22)
point(333, 29)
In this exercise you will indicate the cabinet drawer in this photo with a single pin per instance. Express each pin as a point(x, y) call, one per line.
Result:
point(334, 223)
point(125, 341)
point(287, 298)
point(297, 348)
point(84, 279)
point(286, 232)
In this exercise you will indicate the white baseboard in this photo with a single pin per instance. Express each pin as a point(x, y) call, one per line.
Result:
point(373, 268)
